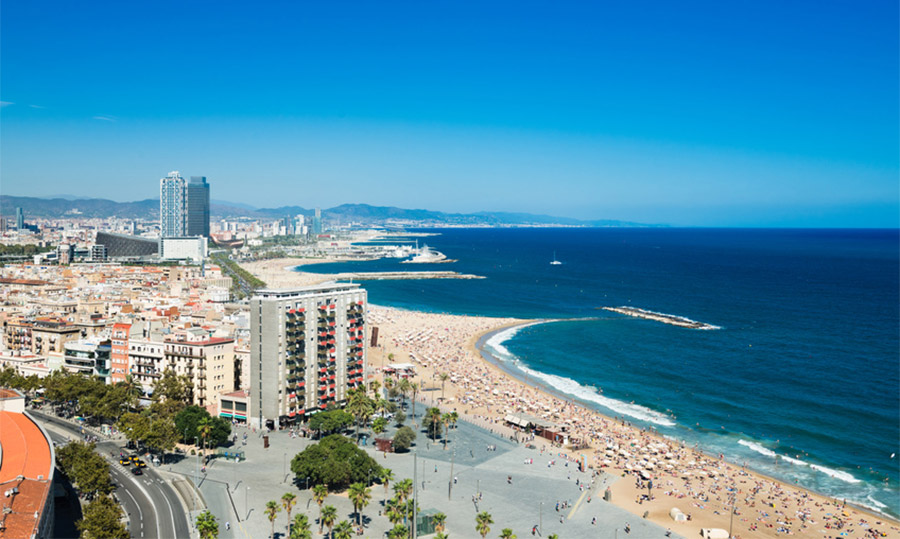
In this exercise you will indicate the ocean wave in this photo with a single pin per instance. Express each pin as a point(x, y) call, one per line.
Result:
point(836, 474)
point(878, 505)
point(758, 448)
point(569, 386)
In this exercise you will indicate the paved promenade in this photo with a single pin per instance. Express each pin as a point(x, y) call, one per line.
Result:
point(482, 463)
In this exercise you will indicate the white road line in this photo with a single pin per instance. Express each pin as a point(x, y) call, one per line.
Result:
point(136, 504)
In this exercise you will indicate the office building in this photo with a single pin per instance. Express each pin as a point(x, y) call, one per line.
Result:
point(197, 207)
point(91, 358)
point(172, 206)
point(307, 350)
point(20, 219)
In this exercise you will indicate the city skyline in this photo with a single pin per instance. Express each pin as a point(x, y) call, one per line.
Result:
point(696, 115)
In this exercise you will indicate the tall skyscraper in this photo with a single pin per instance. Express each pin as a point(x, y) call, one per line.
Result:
point(183, 206)
point(20, 219)
point(172, 206)
point(198, 207)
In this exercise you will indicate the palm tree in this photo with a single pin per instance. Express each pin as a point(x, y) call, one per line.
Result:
point(483, 521)
point(399, 531)
point(271, 511)
point(393, 511)
point(440, 521)
point(414, 388)
point(386, 476)
point(445, 419)
point(450, 419)
point(204, 428)
point(444, 377)
point(320, 492)
point(300, 527)
point(403, 489)
point(507, 533)
point(403, 386)
point(207, 525)
point(288, 501)
point(359, 495)
point(375, 385)
point(360, 407)
point(344, 530)
point(434, 417)
point(328, 517)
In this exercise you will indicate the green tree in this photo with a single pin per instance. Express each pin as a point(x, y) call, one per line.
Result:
point(375, 385)
point(440, 521)
point(173, 388)
point(379, 424)
point(343, 530)
point(102, 519)
point(207, 525)
point(361, 408)
point(271, 513)
point(444, 377)
point(330, 421)
point(335, 461)
point(432, 423)
point(204, 427)
point(359, 495)
point(399, 531)
point(483, 520)
point(507, 533)
point(300, 528)
point(327, 518)
point(288, 500)
point(386, 476)
point(414, 389)
point(399, 418)
point(403, 489)
point(404, 438)
point(87, 469)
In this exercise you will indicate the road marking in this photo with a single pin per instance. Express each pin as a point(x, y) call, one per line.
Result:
point(578, 503)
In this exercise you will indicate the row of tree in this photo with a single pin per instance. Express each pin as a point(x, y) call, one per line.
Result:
point(89, 472)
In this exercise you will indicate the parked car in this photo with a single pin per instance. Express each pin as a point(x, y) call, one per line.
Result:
point(125, 461)
point(137, 471)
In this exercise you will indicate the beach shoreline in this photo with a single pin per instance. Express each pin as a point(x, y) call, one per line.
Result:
point(416, 337)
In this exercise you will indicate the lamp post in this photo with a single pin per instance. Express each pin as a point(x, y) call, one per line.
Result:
point(541, 521)
point(197, 468)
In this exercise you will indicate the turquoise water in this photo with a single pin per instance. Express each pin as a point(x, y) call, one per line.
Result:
point(801, 382)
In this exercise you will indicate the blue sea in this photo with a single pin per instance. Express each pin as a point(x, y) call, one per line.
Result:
point(801, 381)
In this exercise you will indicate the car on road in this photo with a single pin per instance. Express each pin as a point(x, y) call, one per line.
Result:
point(134, 459)
point(125, 462)
point(137, 471)
point(139, 463)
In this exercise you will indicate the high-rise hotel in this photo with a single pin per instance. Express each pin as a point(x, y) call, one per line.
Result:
point(307, 350)
point(183, 206)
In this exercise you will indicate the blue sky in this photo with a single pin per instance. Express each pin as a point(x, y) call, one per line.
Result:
point(691, 113)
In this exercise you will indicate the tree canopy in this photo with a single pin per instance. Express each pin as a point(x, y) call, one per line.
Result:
point(330, 421)
point(404, 438)
point(188, 421)
point(335, 461)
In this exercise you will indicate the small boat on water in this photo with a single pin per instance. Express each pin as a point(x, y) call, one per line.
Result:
point(555, 262)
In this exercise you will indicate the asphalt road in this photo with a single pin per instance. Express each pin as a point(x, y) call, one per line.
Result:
point(153, 506)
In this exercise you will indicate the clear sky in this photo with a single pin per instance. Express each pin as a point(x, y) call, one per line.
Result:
point(747, 113)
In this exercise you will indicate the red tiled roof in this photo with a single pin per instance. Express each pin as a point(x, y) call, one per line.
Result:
point(26, 453)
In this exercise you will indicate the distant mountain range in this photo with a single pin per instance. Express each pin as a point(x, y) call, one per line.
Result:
point(62, 206)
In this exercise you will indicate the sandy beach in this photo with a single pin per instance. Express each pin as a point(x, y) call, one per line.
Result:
point(699, 485)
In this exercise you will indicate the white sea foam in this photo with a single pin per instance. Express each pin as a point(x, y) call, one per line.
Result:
point(569, 386)
point(878, 504)
point(836, 474)
point(758, 448)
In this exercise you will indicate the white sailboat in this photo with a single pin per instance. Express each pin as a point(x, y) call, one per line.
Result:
point(555, 262)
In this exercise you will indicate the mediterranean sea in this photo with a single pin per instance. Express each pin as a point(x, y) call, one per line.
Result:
point(801, 380)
